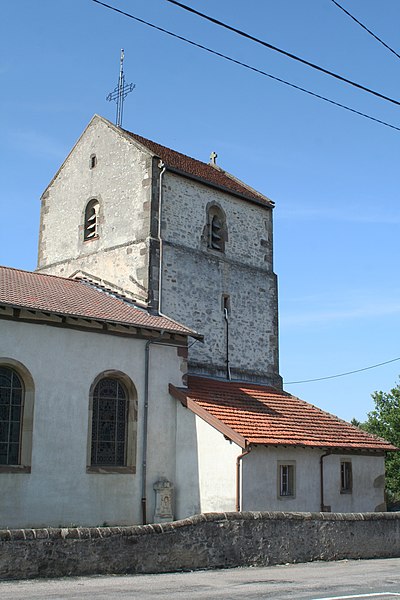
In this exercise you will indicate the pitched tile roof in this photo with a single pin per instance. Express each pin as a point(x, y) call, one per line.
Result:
point(210, 174)
point(253, 414)
point(75, 298)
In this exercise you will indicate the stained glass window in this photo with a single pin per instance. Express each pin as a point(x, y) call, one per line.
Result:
point(109, 423)
point(11, 409)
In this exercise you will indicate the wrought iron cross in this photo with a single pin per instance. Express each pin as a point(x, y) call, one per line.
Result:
point(120, 92)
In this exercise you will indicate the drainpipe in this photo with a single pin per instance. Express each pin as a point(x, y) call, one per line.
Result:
point(162, 171)
point(321, 466)
point(156, 342)
point(228, 369)
point(145, 427)
point(239, 458)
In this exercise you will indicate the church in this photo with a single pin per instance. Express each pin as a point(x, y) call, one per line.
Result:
point(139, 373)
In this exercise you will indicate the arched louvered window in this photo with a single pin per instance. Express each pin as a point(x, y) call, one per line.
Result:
point(11, 415)
point(217, 232)
point(109, 423)
point(91, 220)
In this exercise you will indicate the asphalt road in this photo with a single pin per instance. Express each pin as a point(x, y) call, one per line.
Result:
point(364, 579)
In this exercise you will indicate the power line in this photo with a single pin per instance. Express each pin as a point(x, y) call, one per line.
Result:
point(284, 52)
point(343, 374)
point(366, 28)
point(247, 66)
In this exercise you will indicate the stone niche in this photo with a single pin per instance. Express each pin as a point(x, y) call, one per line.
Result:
point(164, 501)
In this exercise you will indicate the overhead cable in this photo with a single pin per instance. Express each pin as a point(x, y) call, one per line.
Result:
point(247, 66)
point(366, 28)
point(284, 52)
point(343, 374)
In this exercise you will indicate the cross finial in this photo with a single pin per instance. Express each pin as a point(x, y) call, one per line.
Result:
point(121, 91)
point(213, 158)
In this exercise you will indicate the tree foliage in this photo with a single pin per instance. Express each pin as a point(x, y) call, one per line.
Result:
point(384, 421)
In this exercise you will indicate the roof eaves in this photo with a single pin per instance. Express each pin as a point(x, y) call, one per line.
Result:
point(332, 448)
point(113, 322)
point(264, 203)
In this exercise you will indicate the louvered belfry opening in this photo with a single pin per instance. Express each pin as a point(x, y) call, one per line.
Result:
point(91, 220)
point(217, 229)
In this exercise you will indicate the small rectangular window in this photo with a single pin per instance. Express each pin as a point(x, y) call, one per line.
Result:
point(286, 474)
point(346, 477)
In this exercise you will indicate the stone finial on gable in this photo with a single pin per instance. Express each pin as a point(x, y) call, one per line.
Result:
point(213, 158)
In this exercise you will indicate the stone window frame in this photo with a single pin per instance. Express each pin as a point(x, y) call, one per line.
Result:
point(215, 211)
point(25, 451)
point(93, 203)
point(131, 436)
point(286, 479)
point(346, 476)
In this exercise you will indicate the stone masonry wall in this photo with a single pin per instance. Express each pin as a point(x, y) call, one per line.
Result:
point(196, 278)
point(201, 542)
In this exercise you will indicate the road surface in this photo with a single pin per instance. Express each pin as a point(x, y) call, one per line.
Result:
point(342, 580)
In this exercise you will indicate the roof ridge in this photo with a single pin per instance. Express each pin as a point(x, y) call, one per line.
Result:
point(37, 273)
point(141, 137)
point(241, 382)
point(208, 172)
point(108, 287)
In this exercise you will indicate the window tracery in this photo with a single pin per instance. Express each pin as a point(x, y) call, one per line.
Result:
point(11, 414)
point(109, 423)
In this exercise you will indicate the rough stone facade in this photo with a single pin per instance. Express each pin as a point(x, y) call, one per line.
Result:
point(204, 541)
point(195, 280)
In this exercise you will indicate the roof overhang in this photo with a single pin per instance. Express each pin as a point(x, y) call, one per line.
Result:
point(229, 433)
point(24, 314)
point(267, 204)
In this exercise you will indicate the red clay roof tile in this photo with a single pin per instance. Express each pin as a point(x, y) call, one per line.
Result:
point(72, 297)
point(266, 416)
point(213, 175)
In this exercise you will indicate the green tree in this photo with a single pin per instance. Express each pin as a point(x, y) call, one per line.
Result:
point(384, 421)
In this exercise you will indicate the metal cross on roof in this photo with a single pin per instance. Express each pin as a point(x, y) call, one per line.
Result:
point(121, 91)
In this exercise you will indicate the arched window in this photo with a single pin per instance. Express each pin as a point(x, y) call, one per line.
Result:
point(11, 414)
point(217, 232)
point(113, 421)
point(91, 220)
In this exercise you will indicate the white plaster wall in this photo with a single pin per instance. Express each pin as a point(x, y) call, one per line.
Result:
point(260, 481)
point(368, 483)
point(217, 469)
point(121, 182)
point(187, 490)
point(63, 364)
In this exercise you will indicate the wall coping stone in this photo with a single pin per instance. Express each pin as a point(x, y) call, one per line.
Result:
point(81, 533)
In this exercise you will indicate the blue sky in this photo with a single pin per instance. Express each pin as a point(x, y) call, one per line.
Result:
point(334, 176)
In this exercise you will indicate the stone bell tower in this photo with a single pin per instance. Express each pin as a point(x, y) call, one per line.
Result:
point(176, 234)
